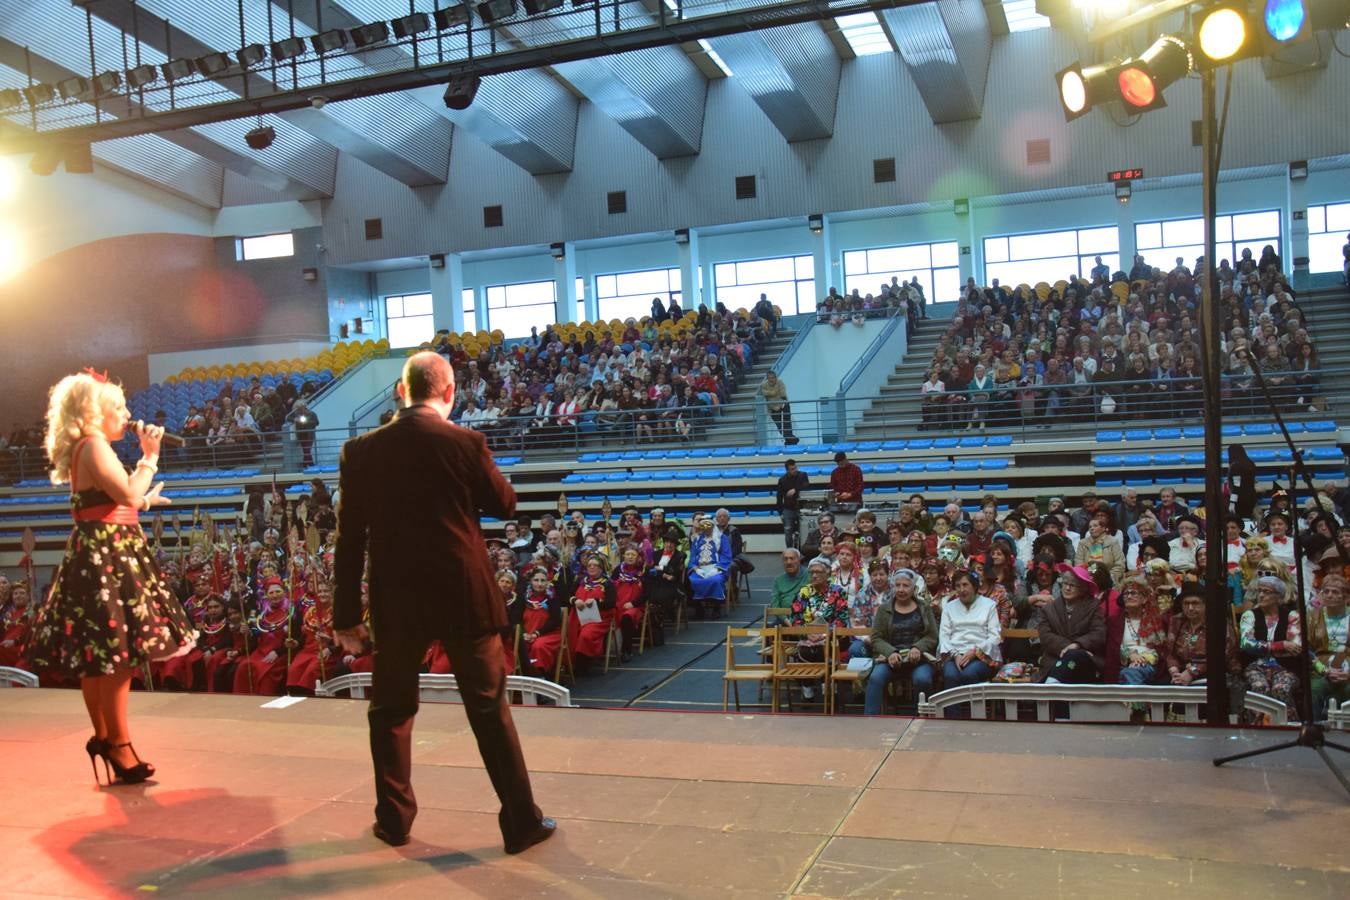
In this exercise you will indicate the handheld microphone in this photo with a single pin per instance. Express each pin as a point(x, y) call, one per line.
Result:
point(168, 439)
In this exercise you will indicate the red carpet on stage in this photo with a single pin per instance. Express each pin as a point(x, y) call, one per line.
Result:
point(255, 802)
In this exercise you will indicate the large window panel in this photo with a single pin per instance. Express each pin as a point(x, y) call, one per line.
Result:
point(935, 265)
point(264, 246)
point(1161, 243)
point(628, 295)
point(1328, 231)
point(516, 308)
point(738, 284)
point(1050, 256)
point(408, 319)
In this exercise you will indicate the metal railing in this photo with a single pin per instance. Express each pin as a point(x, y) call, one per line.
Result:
point(1028, 412)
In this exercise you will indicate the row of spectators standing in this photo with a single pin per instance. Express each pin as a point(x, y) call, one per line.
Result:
point(1121, 582)
point(1117, 347)
point(894, 298)
point(646, 383)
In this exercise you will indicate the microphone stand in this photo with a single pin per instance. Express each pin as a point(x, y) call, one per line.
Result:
point(1311, 734)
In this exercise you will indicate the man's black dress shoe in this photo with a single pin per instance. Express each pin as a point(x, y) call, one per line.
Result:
point(542, 833)
point(390, 838)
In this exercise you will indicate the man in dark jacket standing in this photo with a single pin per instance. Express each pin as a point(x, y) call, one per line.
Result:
point(411, 495)
point(788, 500)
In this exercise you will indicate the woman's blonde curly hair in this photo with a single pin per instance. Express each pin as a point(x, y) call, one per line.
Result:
point(75, 409)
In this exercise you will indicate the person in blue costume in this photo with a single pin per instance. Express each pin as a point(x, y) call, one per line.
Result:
point(709, 562)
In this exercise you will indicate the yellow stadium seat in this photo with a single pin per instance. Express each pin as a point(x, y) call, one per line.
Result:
point(171, 379)
point(1061, 286)
point(1042, 290)
point(1121, 290)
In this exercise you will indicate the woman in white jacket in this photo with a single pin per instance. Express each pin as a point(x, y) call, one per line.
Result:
point(969, 634)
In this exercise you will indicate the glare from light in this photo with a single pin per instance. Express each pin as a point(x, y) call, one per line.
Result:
point(9, 180)
point(1137, 87)
point(1104, 9)
point(1021, 15)
point(712, 55)
point(1222, 34)
point(11, 252)
point(1073, 92)
point(1284, 18)
point(864, 34)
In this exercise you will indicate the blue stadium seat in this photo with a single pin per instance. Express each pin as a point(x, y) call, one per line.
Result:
point(759, 493)
point(1231, 430)
point(886, 468)
point(687, 475)
point(1296, 427)
point(865, 468)
point(641, 476)
point(937, 465)
point(887, 489)
point(845, 447)
point(1193, 458)
point(616, 476)
point(945, 443)
point(774, 451)
point(966, 465)
point(894, 445)
point(1138, 482)
point(593, 477)
point(1194, 479)
point(973, 440)
point(1283, 455)
point(1108, 483)
point(967, 488)
point(663, 495)
point(609, 456)
point(1319, 427)
point(501, 461)
point(1167, 459)
point(677, 454)
point(746, 451)
point(723, 452)
point(1168, 480)
point(1258, 429)
point(734, 495)
point(868, 446)
point(1193, 432)
point(571, 478)
point(1109, 437)
point(921, 443)
point(631, 455)
point(817, 448)
point(759, 472)
point(911, 465)
point(1323, 453)
point(700, 453)
point(990, 487)
point(1137, 460)
point(1108, 461)
point(734, 474)
point(1262, 455)
point(994, 464)
point(999, 440)
point(1138, 434)
point(940, 488)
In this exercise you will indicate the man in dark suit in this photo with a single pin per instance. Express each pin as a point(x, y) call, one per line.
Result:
point(411, 495)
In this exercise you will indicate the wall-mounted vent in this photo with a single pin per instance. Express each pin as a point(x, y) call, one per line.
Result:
point(616, 202)
point(492, 217)
point(374, 229)
point(883, 170)
point(1038, 152)
point(745, 187)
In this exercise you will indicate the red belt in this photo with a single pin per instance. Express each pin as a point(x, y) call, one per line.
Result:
point(110, 513)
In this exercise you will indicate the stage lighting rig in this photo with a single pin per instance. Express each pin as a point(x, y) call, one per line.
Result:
point(10, 98)
point(140, 76)
point(369, 35)
point(38, 94)
point(251, 55)
point(328, 41)
point(212, 64)
point(288, 48)
point(107, 82)
point(452, 16)
point(491, 11)
point(1081, 88)
point(1143, 81)
point(73, 88)
point(410, 25)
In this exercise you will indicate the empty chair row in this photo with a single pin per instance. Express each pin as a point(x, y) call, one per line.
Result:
point(1197, 457)
point(1196, 432)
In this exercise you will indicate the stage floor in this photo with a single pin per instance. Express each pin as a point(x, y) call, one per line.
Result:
point(256, 802)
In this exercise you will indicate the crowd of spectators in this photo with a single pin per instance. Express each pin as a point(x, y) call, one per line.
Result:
point(1118, 346)
point(657, 379)
point(1110, 591)
point(891, 299)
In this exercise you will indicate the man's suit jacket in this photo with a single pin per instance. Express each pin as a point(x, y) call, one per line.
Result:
point(411, 495)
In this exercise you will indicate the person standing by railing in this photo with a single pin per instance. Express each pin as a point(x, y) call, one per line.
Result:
point(775, 397)
point(305, 422)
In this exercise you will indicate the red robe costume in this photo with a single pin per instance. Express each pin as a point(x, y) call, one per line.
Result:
point(216, 641)
point(269, 636)
point(14, 627)
point(542, 615)
point(307, 669)
point(589, 639)
point(628, 589)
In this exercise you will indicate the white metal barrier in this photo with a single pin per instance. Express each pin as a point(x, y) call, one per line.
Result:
point(1092, 702)
point(1338, 717)
point(444, 688)
point(11, 677)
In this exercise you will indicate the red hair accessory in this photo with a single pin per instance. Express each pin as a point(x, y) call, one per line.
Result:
point(100, 377)
point(273, 582)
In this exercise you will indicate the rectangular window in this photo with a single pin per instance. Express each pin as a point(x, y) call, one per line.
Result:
point(788, 281)
point(408, 319)
point(1328, 233)
point(466, 297)
point(935, 265)
point(1050, 255)
point(1161, 243)
point(516, 308)
point(264, 246)
point(581, 299)
point(624, 295)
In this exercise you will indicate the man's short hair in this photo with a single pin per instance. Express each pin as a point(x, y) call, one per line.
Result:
point(426, 375)
point(793, 551)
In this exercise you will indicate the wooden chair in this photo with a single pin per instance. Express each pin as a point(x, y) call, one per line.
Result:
point(645, 633)
point(734, 673)
point(840, 673)
point(613, 643)
point(787, 668)
point(564, 653)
